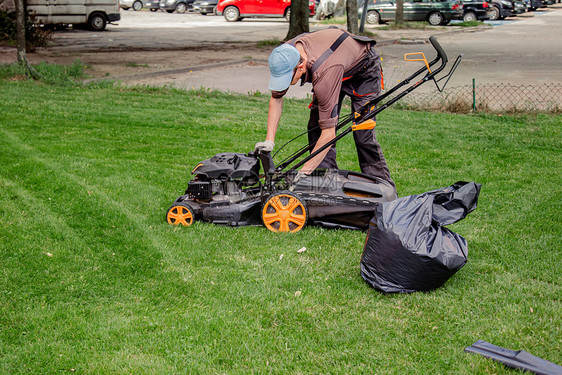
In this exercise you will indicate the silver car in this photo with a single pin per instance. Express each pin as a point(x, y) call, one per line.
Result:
point(153, 5)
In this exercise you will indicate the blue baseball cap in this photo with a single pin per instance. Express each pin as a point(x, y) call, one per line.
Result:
point(282, 62)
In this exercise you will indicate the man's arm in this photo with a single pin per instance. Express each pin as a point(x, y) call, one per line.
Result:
point(273, 117)
point(326, 136)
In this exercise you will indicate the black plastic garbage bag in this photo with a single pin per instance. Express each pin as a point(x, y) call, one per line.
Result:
point(407, 247)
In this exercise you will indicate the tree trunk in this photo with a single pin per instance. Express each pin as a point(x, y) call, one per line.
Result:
point(298, 23)
point(20, 25)
point(351, 9)
point(399, 13)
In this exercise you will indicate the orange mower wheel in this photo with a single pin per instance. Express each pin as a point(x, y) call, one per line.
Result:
point(284, 212)
point(180, 214)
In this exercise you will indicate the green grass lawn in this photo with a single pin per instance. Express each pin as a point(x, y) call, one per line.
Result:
point(93, 280)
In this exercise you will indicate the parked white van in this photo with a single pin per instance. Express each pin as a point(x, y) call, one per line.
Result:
point(94, 13)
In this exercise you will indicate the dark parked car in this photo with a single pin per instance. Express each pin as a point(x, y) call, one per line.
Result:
point(180, 6)
point(474, 10)
point(534, 4)
point(436, 12)
point(519, 7)
point(205, 6)
point(500, 9)
point(153, 5)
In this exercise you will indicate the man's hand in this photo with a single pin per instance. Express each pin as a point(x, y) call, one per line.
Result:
point(293, 179)
point(325, 136)
point(266, 146)
point(298, 177)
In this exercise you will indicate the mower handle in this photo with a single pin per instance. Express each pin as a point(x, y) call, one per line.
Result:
point(439, 49)
point(441, 55)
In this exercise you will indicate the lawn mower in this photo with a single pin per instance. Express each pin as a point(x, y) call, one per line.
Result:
point(240, 189)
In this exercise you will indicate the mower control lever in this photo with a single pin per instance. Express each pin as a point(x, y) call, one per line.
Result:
point(443, 56)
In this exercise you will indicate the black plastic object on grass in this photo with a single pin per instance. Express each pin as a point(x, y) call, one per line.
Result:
point(519, 359)
point(408, 249)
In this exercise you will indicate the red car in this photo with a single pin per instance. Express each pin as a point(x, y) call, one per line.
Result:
point(236, 10)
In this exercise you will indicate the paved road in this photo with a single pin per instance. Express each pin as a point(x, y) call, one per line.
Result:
point(521, 50)
point(164, 30)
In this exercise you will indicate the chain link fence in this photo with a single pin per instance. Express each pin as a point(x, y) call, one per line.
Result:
point(545, 98)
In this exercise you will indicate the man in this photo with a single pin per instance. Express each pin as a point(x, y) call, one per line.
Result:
point(337, 64)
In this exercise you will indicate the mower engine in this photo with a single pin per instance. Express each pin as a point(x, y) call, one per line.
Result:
point(225, 190)
point(223, 177)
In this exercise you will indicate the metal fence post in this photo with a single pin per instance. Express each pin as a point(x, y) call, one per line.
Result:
point(473, 95)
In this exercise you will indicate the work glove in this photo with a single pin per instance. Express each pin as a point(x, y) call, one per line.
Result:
point(266, 146)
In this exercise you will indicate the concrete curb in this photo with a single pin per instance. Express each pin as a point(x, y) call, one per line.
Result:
point(159, 73)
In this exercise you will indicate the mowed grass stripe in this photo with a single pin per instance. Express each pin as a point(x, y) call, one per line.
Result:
point(133, 218)
point(85, 210)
